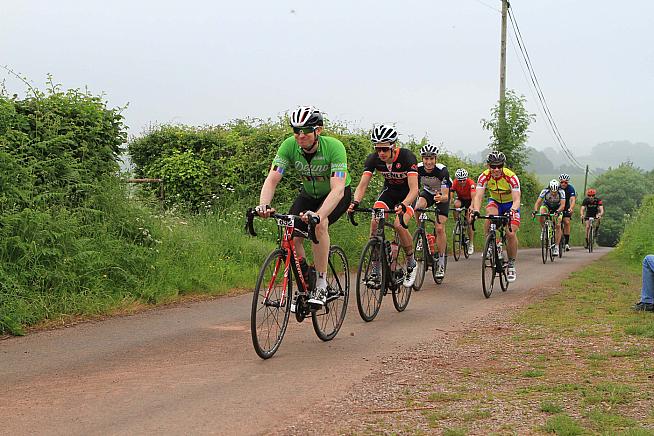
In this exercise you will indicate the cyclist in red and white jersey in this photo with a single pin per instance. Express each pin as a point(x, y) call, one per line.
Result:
point(465, 189)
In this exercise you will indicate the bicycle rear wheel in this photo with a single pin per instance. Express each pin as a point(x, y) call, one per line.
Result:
point(503, 270)
point(328, 320)
point(371, 280)
point(421, 254)
point(466, 241)
point(270, 305)
point(401, 293)
point(457, 240)
point(488, 266)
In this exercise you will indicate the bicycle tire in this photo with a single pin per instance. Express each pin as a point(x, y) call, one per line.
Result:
point(328, 320)
point(591, 239)
point(401, 294)
point(488, 266)
point(552, 243)
point(543, 243)
point(466, 241)
point(421, 254)
point(457, 240)
point(269, 316)
point(369, 299)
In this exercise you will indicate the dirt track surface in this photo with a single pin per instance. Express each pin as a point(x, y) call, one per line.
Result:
point(191, 369)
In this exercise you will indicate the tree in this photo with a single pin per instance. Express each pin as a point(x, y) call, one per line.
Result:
point(510, 136)
point(622, 190)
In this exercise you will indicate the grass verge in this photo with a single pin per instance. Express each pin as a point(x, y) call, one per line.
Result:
point(577, 362)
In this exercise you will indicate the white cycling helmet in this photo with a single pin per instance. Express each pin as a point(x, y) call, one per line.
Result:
point(461, 174)
point(564, 177)
point(383, 133)
point(429, 150)
point(306, 116)
point(554, 185)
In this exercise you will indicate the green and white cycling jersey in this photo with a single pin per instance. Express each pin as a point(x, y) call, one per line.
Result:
point(330, 160)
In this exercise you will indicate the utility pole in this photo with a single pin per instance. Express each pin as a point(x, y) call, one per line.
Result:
point(505, 8)
point(585, 180)
point(502, 114)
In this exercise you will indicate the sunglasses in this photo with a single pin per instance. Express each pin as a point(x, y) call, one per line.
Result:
point(382, 149)
point(563, 181)
point(305, 130)
point(495, 167)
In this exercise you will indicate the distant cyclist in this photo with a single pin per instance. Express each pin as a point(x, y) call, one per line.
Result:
point(465, 189)
point(434, 178)
point(591, 207)
point(504, 191)
point(551, 200)
point(321, 162)
point(568, 210)
point(399, 167)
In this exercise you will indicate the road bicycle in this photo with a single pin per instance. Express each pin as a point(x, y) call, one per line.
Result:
point(495, 261)
point(547, 237)
point(422, 249)
point(460, 239)
point(274, 300)
point(382, 267)
point(592, 233)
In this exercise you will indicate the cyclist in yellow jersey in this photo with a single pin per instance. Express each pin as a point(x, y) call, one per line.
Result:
point(504, 191)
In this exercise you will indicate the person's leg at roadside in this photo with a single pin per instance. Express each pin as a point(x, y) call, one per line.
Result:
point(646, 302)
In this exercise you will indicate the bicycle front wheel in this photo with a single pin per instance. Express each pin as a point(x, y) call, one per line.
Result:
point(270, 305)
point(544, 243)
point(401, 293)
point(591, 239)
point(328, 320)
point(421, 254)
point(457, 240)
point(371, 280)
point(488, 266)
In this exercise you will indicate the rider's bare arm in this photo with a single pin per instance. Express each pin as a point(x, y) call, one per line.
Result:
point(337, 185)
point(268, 188)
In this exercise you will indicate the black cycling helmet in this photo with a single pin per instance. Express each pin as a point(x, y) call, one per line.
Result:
point(306, 116)
point(496, 158)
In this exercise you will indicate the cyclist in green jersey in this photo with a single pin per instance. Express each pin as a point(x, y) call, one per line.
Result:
point(321, 161)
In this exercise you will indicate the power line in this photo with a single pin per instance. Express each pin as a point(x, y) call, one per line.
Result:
point(541, 97)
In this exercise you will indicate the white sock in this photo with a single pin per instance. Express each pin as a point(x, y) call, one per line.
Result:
point(321, 279)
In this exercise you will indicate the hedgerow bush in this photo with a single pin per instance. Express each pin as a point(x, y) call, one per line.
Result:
point(70, 242)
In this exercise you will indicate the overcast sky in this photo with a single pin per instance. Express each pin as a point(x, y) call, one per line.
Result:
point(431, 66)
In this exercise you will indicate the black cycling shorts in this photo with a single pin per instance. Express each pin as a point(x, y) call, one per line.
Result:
point(304, 202)
point(442, 207)
point(392, 197)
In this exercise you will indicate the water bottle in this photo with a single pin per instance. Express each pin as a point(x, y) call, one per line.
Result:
point(394, 248)
point(431, 239)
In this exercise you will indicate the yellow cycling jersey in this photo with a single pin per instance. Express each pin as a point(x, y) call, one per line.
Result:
point(499, 189)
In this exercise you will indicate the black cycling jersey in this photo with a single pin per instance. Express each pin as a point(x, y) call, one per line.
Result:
point(433, 181)
point(592, 206)
point(396, 174)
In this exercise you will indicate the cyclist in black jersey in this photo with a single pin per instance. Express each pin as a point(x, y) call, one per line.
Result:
point(322, 163)
point(568, 210)
point(434, 178)
point(399, 168)
point(591, 207)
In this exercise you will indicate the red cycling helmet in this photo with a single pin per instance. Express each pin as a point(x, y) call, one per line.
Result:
point(590, 192)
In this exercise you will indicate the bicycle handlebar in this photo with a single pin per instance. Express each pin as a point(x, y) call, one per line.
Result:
point(502, 219)
point(373, 210)
point(313, 222)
